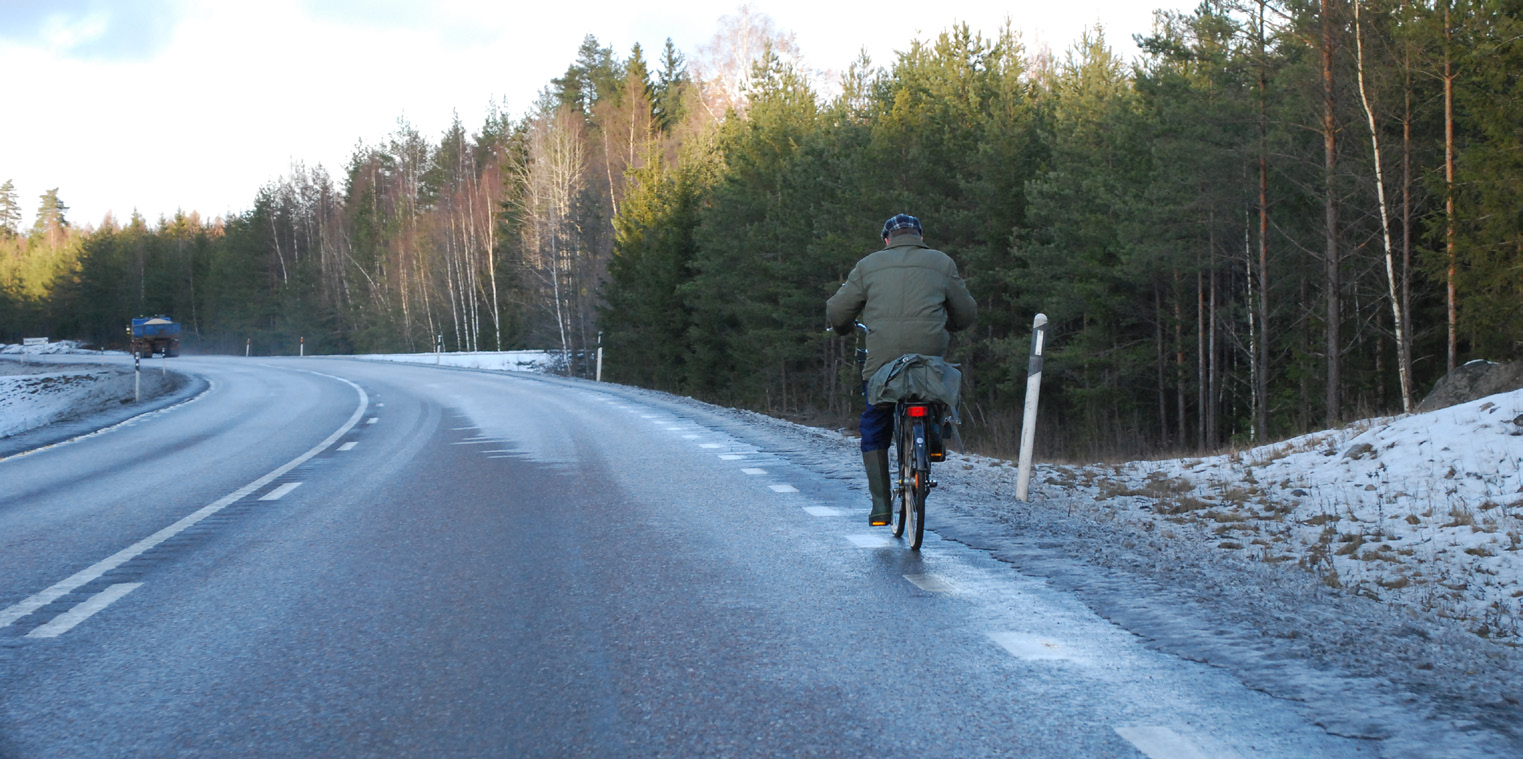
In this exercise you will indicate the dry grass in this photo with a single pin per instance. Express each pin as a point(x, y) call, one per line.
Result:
point(1461, 517)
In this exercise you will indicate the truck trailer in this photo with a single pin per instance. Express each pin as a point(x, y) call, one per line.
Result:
point(155, 334)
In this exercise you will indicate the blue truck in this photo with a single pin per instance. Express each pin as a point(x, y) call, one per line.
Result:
point(155, 334)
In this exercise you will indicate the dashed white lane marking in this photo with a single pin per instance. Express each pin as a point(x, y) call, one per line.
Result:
point(489, 441)
point(460, 429)
point(372, 420)
point(691, 437)
point(753, 470)
point(67, 585)
point(870, 540)
point(712, 445)
point(930, 583)
point(66, 621)
point(280, 492)
point(348, 446)
point(380, 405)
point(730, 457)
point(783, 488)
point(675, 429)
point(1030, 646)
point(1160, 743)
point(824, 511)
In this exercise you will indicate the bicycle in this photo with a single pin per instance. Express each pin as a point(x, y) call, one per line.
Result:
point(917, 439)
point(918, 442)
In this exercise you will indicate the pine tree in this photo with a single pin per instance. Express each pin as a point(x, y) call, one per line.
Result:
point(10, 209)
point(51, 225)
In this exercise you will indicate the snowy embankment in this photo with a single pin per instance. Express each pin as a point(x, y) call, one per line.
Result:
point(1423, 511)
point(500, 361)
point(48, 383)
point(61, 347)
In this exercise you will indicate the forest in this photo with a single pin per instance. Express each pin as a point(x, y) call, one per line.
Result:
point(1278, 216)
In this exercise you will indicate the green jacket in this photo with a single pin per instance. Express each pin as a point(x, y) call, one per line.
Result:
point(909, 296)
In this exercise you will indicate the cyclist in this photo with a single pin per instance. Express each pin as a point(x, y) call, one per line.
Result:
point(910, 297)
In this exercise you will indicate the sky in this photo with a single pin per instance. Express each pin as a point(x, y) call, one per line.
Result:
point(156, 106)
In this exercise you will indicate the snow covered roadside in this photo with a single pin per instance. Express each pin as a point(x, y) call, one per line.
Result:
point(62, 382)
point(57, 348)
point(1422, 511)
point(497, 361)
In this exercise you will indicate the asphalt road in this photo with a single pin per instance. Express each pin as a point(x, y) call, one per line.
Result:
point(327, 557)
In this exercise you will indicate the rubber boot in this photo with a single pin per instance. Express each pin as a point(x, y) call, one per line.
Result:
point(876, 463)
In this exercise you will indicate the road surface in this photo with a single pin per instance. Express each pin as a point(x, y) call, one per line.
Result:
point(328, 557)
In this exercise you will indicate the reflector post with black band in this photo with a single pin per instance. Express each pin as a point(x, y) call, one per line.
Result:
point(1028, 417)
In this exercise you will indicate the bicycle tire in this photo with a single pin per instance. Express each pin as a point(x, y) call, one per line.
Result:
point(900, 507)
point(918, 487)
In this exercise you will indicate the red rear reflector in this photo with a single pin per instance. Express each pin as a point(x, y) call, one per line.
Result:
point(917, 411)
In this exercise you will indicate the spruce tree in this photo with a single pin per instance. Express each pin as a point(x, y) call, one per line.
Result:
point(666, 97)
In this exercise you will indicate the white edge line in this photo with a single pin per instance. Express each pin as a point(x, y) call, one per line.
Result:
point(210, 385)
point(280, 491)
point(929, 583)
point(869, 540)
point(66, 621)
point(67, 585)
point(1160, 743)
point(349, 446)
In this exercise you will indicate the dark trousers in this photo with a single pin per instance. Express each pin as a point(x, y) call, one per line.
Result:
point(877, 424)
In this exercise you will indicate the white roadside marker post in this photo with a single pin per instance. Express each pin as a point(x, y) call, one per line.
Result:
point(248, 346)
point(137, 376)
point(599, 377)
point(302, 350)
point(438, 349)
point(1028, 417)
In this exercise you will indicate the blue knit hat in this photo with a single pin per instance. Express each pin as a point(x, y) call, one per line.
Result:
point(900, 223)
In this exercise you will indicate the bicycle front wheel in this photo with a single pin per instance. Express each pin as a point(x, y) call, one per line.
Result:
point(902, 494)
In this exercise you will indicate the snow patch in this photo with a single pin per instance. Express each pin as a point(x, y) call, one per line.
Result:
point(497, 361)
point(42, 388)
point(1422, 511)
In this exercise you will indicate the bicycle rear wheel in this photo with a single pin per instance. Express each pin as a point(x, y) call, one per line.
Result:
point(917, 511)
point(918, 487)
